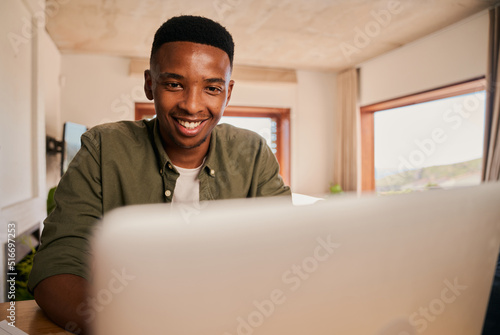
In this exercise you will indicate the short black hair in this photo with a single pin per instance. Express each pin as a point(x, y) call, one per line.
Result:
point(197, 29)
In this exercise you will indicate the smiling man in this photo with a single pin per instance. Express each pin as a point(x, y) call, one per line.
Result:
point(181, 156)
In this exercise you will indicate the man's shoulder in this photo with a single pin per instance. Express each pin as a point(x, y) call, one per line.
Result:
point(123, 130)
point(229, 133)
point(232, 144)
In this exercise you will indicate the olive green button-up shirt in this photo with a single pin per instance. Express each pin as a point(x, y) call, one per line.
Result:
point(124, 163)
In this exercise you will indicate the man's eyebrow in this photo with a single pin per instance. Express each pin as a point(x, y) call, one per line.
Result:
point(168, 75)
point(215, 80)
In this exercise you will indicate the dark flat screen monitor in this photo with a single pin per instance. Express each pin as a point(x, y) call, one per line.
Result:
point(71, 143)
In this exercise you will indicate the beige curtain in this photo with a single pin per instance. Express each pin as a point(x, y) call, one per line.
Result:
point(347, 161)
point(491, 162)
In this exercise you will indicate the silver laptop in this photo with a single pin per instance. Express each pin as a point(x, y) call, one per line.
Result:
point(400, 265)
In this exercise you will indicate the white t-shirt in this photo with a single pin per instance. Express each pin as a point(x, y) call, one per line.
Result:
point(187, 186)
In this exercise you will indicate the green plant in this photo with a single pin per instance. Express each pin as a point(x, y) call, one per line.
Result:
point(51, 204)
point(336, 189)
point(23, 269)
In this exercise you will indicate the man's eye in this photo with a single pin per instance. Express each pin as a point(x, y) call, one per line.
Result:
point(214, 89)
point(172, 86)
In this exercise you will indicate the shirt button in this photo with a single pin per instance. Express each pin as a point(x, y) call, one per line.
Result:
point(161, 171)
point(212, 172)
point(169, 166)
point(168, 193)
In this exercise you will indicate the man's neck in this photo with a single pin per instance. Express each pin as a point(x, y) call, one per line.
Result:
point(187, 158)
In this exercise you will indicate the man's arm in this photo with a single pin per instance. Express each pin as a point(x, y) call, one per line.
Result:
point(62, 298)
point(60, 266)
point(267, 167)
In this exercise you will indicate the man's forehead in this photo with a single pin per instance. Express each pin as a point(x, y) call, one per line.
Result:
point(190, 48)
point(175, 56)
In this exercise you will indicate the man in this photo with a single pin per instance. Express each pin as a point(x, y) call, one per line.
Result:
point(181, 156)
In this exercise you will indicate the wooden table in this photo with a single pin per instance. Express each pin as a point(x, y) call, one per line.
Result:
point(31, 319)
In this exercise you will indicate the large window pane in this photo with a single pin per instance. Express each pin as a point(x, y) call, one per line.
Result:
point(428, 145)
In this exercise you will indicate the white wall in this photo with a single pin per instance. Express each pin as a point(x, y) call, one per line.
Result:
point(15, 98)
point(264, 94)
point(456, 53)
point(98, 89)
point(312, 144)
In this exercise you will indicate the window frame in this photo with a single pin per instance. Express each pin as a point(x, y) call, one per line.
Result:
point(280, 115)
point(367, 120)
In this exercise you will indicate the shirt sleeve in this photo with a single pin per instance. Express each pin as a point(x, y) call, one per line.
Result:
point(270, 182)
point(65, 238)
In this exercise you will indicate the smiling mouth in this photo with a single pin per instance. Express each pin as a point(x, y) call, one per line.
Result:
point(189, 125)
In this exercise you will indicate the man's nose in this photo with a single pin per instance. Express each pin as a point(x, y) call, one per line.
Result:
point(192, 101)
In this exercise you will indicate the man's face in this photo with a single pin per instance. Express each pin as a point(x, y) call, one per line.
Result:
point(190, 84)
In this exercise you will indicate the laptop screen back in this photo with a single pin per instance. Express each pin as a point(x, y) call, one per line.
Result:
point(376, 265)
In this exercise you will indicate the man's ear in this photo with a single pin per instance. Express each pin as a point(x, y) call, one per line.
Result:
point(148, 84)
point(229, 91)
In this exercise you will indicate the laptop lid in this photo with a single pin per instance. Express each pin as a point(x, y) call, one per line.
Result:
point(394, 265)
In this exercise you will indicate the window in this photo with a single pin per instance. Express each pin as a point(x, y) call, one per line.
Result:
point(277, 131)
point(271, 123)
point(428, 140)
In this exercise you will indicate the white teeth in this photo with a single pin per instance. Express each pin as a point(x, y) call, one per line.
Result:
point(189, 125)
